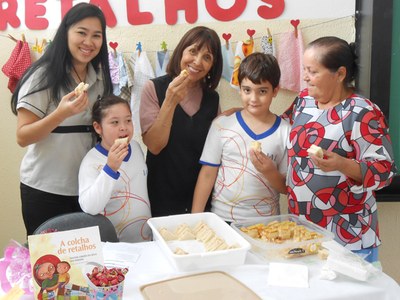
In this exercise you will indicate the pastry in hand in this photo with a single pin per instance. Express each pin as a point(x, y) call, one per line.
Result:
point(184, 73)
point(123, 140)
point(256, 146)
point(315, 150)
point(81, 87)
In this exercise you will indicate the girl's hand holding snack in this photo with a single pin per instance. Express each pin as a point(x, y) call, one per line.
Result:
point(116, 154)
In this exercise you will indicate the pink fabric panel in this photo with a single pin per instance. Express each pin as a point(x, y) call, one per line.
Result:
point(290, 58)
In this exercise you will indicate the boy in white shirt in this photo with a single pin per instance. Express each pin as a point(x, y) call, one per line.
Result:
point(244, 158)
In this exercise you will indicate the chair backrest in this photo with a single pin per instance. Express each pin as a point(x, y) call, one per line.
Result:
point(78, 220)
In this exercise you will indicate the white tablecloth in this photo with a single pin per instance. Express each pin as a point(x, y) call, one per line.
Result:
point(148, 264)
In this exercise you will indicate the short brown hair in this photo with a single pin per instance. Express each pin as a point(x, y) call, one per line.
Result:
point(258, 67)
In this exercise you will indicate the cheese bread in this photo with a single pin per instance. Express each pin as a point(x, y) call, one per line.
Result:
point(81, 87)
point(315, 150)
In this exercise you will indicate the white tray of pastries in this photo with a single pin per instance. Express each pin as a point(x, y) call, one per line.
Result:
point(198, 241)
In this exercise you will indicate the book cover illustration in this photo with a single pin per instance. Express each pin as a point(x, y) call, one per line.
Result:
point(57, 261)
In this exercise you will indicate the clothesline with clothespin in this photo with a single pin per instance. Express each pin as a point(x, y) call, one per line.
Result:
point(255, 38)
point(13, 38)
point(36, 46)
point(231, 42)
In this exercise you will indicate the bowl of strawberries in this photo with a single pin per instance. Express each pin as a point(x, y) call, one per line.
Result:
point(105, 281)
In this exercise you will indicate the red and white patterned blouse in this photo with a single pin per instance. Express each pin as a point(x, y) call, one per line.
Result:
point(355, 129)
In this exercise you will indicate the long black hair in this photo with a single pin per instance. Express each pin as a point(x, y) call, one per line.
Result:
point(57, 59)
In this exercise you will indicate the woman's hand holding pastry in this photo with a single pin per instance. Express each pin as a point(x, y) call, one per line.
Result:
point(80, 88)
point(71, 105)
point(178, 88)
point(331, 161)
point(116, 155)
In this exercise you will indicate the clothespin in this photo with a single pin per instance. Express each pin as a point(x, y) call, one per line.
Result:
point(36, 46)
point(269, 36)
point(226, 37)
point(139, 48)
point(44, 43)
point(114, 46)
point(23, 38)
point(251, 32)
point(164, 46)
point(295, 23)
point(12, 38)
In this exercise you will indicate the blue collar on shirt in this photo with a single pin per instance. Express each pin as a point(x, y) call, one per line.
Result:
point(254, 136)
point(103, 151)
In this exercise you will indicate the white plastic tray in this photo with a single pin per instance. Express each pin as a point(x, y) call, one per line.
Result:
point(197, 257)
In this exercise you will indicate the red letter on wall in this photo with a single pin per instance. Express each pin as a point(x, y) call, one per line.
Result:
point(65, 7)
point(135, 16)
point(9, 14)
point(107, 10)
point(222, 14)
point(173, 6)
point(32, 13)
point(272, 9)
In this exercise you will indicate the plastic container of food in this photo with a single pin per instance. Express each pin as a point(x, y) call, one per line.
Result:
point(278, 238)
point(191, 250)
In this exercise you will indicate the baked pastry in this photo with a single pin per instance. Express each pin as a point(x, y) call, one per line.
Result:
point(80, 88)
point(167, 235)
point(201, 232)
point(315, 150)
point(256, 146)
point(122, 140)
point(180, 251)
point(323, 253)
point(184, 73)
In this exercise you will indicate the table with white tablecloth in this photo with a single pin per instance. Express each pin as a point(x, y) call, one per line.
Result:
point(148, 264)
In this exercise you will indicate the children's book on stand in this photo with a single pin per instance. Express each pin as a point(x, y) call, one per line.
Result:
point(58, 260)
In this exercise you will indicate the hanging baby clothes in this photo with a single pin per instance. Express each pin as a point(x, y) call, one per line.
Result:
point(227, 61)
point(114, 72)
point(243, 49)
point(17, 64)
point(290, 59)
point(142, 72)
point(118, 71)
point(123, 73)
point(162, 59)
point(267, 44)
point(126, 89)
